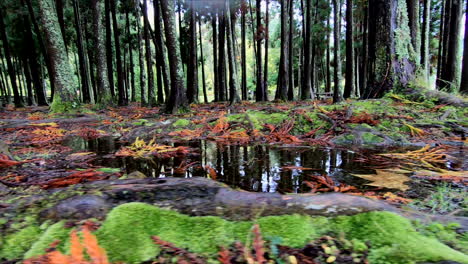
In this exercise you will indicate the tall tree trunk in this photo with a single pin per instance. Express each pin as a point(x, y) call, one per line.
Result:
point(306, 88)
point(161, 51)
point(109, 52)
point(216, 86)
point(243, 52)
point(177, 97)
point(141, 62)
point(291, 51)
point(260, 91)
point(349, 85)
point(202, 58)
point(414, 25)
point(328, 64)
point(440, 56)
point(192, 66)
point(365, 53)
point(337, 51)
point(464, 78)
point(81, 54)
point(118, 59)
point(149, 57)
point(283, 82)
point(104, 97)
point(11, 70)
point(232, 61)
point(65, 95)
point(451, 69)
point(267, 37)
point(60, 8)
point(441, 81)
point(131, 85)
point(221, 56)
point(33, 65)
point(42, 48)
point(425, 38)
point(27, 75)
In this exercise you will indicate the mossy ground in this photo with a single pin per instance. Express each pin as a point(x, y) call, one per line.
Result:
point(126, 235)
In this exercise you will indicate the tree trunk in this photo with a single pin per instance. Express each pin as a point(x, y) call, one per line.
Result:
point(260, 91)
point(65, 95)
point(306, 88)
point(234, 97)
point(221, 56)
point(425, 38)
point(290, 51)
point(11, 70)
point(109, 53)
point(283, 82)
point(202, 58)
point(192, 66)
point(464, 79)
point(349, 85)
point(131, 83)
point(27, 75)
point(160, 51)
point(177, 99)
point(81, 54)
point(215, 58)
point(337, 51)
point(364, 56)
point(451, 69)
point(266, 36)
point(104, 97)
point(414, 25)
point(243, 52)
point(440, 57)
point(118, 59)
point(328, 63)
point(60, 8)
point(149, 57)
point(141, 62)
point(33, 63)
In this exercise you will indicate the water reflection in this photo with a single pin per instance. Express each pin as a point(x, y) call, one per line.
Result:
point(258, 168)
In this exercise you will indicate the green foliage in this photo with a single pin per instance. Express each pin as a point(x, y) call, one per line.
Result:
point(444, 199)
point(181, 123)
point(17, 243)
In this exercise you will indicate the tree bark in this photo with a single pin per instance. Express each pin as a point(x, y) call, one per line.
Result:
point(232, 61)
point(109, 53)
point(141, 62)
point(414, 25)
point(267, 37)
point(118, 59)
point(149, 57)
point(260, 91)
point(464, 78)
point(425, 38)
point(215, 57)
point(160, 51)
point(104, 97)
point(65, 95)
point(81, 54)
point(221, 56)
point(202, 58)
point(283, 82)
point(306, 78)
point(243, 51)
point(177, 99)
point(291, 51)
point(192, 67)
point(337, 51)
point(349, 85)
point(451, 70)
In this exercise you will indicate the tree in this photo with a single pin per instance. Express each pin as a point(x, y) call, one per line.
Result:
point(260, 93)
point(425, 34)
point(230, 32)
point(192, 66)
point(122, 99)
point(65, 98)
point(177, 98)
point(104, 97)
point(243, 51)
point(306, 81)
point(337, 51)
point(149, 57)
point(349, 85)
point(83, 62)
point(283, 76)
point(450, 68)
point(109, 53)
point(414, 25)
point(464, 79)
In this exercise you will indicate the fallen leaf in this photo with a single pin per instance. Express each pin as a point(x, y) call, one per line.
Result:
point(386, 179)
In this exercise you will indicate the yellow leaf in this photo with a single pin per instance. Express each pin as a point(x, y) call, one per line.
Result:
point(45, 124)
point(387, 179)
point(331, 259)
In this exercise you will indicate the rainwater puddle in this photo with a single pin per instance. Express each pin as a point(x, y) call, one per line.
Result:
point(256, 168)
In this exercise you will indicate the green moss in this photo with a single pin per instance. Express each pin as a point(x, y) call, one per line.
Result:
point(53, 233)
point(394, 239)
point(58, 106)
point(371, 139)
point(181, 123)
point(17, 243)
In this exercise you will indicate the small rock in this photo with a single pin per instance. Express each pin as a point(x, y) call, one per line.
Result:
point(78, 208)
point(136, 175)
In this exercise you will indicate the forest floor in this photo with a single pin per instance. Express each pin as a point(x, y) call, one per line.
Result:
point(410, 154)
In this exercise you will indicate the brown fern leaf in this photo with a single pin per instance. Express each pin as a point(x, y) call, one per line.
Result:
point(258, 244)
point(96, 253)
point(224, 256)
point(76, 249)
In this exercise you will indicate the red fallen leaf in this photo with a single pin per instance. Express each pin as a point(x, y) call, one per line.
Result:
point(224, 256)
point(75, 178)
point(6, 162)
point(258, 245)
point(212, 172)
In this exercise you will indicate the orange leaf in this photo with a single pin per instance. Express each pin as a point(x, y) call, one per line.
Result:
point(95, 252)
point(76, 249)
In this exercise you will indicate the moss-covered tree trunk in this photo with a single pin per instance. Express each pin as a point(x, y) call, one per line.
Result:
point(104, 97)
point(425, 34)
point(177, 98)
point(464, 78)
point(391, 58)
point(414, 24)
point(65, 98)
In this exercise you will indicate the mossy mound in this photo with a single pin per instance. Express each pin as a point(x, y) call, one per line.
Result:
point(126, 235)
